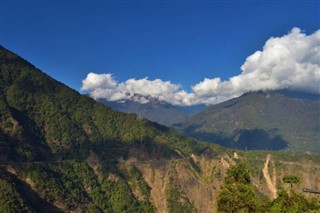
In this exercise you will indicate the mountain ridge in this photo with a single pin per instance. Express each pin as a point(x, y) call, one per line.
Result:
point(289, 122)
point(40, 107)
point(154, 109)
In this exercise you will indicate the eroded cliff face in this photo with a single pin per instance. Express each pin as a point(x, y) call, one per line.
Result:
point(199, 178)
point(193, 182)
point(269, 179)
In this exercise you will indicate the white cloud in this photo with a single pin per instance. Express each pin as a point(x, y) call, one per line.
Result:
point(288, 62)
point(207, 87)
point(291, 62)
point(104, 86)
point(95, 81)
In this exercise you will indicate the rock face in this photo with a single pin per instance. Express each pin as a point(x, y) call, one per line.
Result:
point(275, 169)
point(261, 121)
point(199, 178)
point(271, 183)
point(183, 176)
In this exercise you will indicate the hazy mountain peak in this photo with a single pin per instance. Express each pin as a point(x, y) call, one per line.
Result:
point(153, 109)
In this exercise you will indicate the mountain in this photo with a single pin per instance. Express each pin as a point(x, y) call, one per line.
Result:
point(64, 152)
point(271, 120)
point(154, 109)
point(62, 148)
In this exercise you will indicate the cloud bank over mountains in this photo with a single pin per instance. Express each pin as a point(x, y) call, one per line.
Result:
point(288, 62)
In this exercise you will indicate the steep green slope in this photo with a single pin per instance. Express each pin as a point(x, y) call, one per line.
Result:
point(260, 120)
point(47, 132)
point(43, 118)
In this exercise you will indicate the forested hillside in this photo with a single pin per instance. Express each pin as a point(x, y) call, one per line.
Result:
point(43, 120)
point(270, 120)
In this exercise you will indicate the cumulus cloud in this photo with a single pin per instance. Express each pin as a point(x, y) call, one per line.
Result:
point(106, 87)
point(288, 62)
point(95, 81)
point(291, 61)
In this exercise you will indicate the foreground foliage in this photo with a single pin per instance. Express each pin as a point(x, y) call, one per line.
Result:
point(293, 202)
point(238, 195)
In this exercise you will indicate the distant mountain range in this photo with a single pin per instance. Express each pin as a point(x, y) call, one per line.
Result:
point(154, 109)
point(271, 120)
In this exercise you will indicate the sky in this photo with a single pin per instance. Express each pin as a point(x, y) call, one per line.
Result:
point(182, 52)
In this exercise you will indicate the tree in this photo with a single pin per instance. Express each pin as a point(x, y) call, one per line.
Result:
point(290, 201)
point(238, 173)
point(294, 203)
point(237, 193)
point(291, 179)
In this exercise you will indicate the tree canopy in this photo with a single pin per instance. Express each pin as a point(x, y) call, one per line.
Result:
point(291, 179)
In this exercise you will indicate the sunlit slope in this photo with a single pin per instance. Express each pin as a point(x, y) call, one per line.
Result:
point(260, 120)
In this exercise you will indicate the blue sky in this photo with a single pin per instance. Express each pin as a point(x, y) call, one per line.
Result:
point(178, 41)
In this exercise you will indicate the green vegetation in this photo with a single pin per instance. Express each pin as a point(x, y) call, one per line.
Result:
point(55, 128)
point(141, 188)
point(238, 195)
point(178, 202)
point(259, 121)
point(74, 186)
point(42, 117)
point(291, 179)
point(10, 199)
point(293, 203)
point(138, 182)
